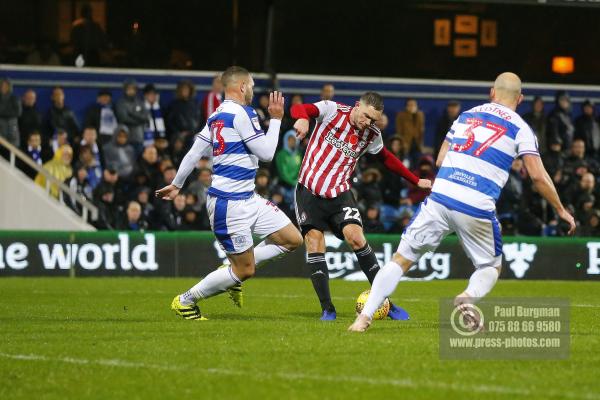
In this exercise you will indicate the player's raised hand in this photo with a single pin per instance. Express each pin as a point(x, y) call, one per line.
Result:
point(424, 184)
point(301, 127)
point(276, 102)
point(565, 216)
point(168, 192)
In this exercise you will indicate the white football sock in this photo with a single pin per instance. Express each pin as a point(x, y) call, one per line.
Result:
point(265, 252)
point(214, 283)
point(482, 281)
point(383, 286)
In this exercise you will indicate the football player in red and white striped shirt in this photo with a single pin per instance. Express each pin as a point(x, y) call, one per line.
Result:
point(324, 201)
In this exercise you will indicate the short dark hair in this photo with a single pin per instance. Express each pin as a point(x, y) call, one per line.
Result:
point(231, 73)
point(373, 99)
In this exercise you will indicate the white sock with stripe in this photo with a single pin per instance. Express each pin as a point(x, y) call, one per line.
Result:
point(214, 283)
point(383, 286)
point(265, 252)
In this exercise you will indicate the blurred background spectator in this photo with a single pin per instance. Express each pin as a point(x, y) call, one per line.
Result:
point(102, 116)
point(131, 112)
point(10, 111)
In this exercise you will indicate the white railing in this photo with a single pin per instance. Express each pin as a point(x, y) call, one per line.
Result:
point(87, 208)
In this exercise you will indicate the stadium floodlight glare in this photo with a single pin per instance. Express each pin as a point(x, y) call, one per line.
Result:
point(563, 65)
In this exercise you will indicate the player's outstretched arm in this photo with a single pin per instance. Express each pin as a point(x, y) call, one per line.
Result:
point(392, 163)
point(442, 153)
point(302, 112)
point(260, 144)
point(543, 183)
point(188, 163)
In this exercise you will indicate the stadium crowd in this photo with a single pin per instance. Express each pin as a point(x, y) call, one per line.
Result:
point(126, 149)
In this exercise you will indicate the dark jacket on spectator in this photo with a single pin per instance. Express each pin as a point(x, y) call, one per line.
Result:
point(131, 112)
point(61, 118)
point(587, 128)
point(560, 125)
point(10, 110)
point(120, 157)
point(537, 122)
point(93, 117)
point(29, 121)
point(183, 116)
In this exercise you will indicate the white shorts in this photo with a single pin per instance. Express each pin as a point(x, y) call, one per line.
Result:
point(234, 221)
point(480, 237)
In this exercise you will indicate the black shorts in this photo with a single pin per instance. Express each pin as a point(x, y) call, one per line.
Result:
point(314, 212)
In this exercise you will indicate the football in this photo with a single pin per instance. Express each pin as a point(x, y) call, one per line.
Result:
point(381, 312)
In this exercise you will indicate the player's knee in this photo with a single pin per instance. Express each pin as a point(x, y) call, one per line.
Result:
point(245, 271)
point(355, 239)
point(295, 241)
point(313, 240)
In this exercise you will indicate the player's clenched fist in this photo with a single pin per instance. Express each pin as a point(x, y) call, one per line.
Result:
point(276, 101)
point(424, 184)
point(168, 192)
point(301, 127)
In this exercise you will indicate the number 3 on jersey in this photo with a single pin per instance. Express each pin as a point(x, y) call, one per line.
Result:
point(474, 123)
point(351, 213)
point(215, 128)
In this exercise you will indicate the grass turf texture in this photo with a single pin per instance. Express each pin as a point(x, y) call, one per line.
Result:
point(117, 338)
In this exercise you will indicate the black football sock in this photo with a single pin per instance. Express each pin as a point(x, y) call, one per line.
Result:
point(368, 262)
point(319, 275)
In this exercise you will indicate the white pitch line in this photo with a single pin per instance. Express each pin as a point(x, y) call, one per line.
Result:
point(291, 376)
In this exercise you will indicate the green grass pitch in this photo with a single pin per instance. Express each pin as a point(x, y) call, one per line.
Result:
point(116, 338)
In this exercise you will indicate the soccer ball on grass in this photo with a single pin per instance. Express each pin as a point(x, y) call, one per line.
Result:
point(381, 312)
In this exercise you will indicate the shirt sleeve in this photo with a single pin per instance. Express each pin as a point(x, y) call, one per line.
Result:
point(450, 134)
point(326, 109)
point(526, 142)
point(189, 162)
point(248, 126)
point(376, 145)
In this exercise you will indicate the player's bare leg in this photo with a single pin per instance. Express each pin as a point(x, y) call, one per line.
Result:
point(277, 244)
point(383, 286)
point(315, 249)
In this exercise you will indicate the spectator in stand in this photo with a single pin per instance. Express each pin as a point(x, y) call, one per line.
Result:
point(213, 99)
point(590, 227)
point(146, 172)
point(560, 125)
point(90, 138)
point(59, 167)
point(33, 148)
point(288, 161)
point(110, 177)
point(168, 174)
point(61, 117)
point(587, 129)
point(172, 212)
point(10, 111)
point(148, 213)
point(554, 161)
point(371, 222)
point(392, 187)
point(130, 111)
point(102, 117)
point(43, 54)
point(191, 220)
point(30, 119)
point(178, 151)
point(132, 220)
point(425, 170)
point(262, 183)
point(584, 191)
point(154, 132)
point(87, 37)
point(509, 202)
point(183, 114)
point(577, 157)
point(410, 125)
point(382, 123)
point(263, 111)
point(59, 139)
point(327, 92)
point(369, 189)
point(90, 163)
point(79, 183)
point(199, 188)
point(108, 211)
point(119, 154)
point(537, 121)
point(444, 123)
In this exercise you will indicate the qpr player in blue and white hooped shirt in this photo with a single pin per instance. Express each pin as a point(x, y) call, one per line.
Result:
point(475, 161)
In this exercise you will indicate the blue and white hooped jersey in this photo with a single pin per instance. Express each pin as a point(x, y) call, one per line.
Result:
point(484, 142)
point(228, 130)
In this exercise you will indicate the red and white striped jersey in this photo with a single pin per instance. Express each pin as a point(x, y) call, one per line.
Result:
point(333, 150)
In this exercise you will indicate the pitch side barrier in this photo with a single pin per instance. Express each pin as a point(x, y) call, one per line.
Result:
point(82, 84)
point(187, 254)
